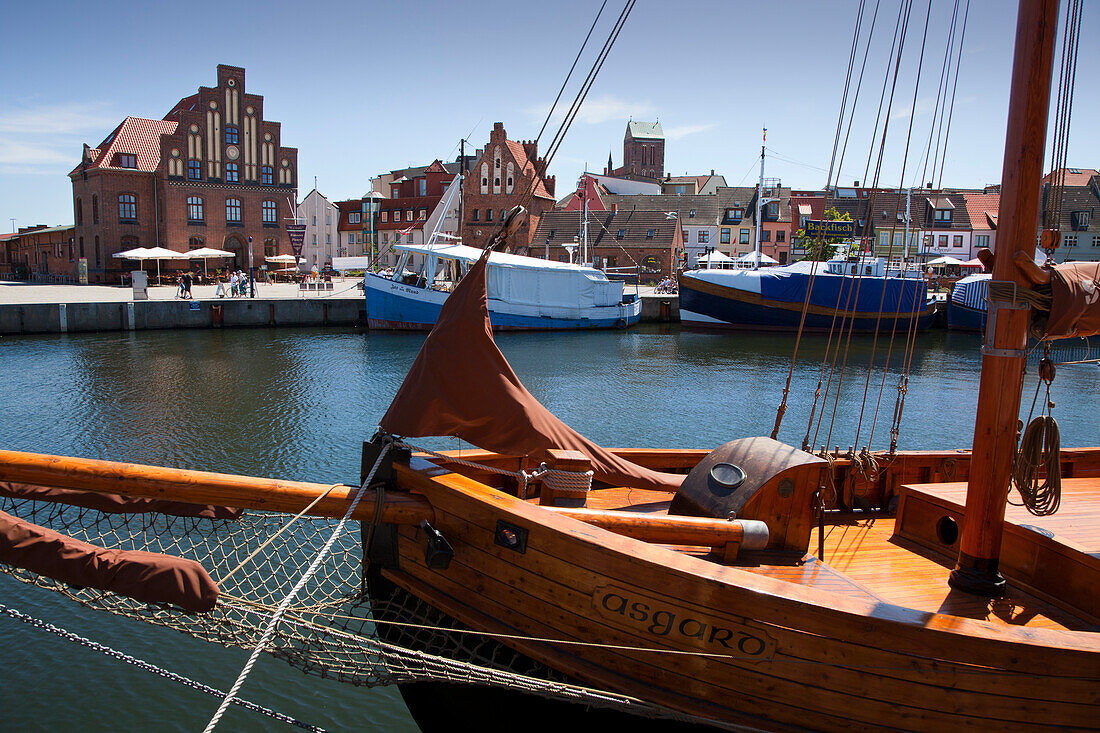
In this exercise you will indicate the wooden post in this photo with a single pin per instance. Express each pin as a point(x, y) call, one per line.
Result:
point(564, 460)
point(1003, 356)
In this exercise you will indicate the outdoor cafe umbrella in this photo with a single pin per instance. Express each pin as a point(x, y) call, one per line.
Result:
point(751, 257)
point(282, 258)
point(207, 253)
point(947, 260)
point(715, 258)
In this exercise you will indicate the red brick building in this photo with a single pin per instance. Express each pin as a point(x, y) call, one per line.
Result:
point(647, 240)
point(43, 253)
point(643, 152)
point(507, 174)
point(212, 173)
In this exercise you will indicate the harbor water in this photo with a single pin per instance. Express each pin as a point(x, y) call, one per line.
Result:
point(298, 403)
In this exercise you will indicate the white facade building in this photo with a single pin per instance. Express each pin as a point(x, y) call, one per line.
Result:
point(322, 241)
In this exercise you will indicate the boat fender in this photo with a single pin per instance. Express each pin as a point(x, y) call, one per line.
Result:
point(620, 324)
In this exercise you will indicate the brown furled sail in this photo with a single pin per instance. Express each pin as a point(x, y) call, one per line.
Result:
point(115, 503)
point(461, 385)
point(144, 576)
point(1074, 300)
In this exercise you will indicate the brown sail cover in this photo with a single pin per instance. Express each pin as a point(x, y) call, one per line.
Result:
point(143, 576)
point(1075, 300)
point(115, 503)
point(461, 385)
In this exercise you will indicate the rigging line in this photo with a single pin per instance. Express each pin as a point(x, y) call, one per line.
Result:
point(1057, 172)
point(1070, 38)
point(954, 88)
point(273, 623)
point(941, 93)
point(782, 408)
point(567, 120)
point(594, 73)
point(567, 76)
point(847, 86)
point(150, 667)
point(911, 340)
point(859, 86)
point(902, 12)
point(574, 107)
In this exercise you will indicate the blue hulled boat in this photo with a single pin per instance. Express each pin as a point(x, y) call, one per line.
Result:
point(525, 293)
point(966, 309)
point(865, 292)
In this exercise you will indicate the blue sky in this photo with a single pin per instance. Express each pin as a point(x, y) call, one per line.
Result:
point(365, 87)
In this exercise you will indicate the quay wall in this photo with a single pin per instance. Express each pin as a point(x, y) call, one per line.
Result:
point(30, 318)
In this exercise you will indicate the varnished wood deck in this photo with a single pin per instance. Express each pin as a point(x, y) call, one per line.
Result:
point(865, 557)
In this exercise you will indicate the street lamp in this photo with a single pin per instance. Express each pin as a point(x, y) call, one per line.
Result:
point(251, 270)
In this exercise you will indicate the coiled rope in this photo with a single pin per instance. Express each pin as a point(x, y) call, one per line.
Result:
point(1040, 491)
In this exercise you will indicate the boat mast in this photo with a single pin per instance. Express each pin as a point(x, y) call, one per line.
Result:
point(1003, 356)
point(759, 201)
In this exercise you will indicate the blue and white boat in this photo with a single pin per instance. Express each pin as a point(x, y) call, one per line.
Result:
point(966, 308)
point(862, 294)
point(525, 293)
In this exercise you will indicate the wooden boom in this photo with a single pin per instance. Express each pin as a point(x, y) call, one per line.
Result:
point(201, 487)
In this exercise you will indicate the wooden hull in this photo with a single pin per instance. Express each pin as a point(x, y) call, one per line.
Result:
point(730, 645)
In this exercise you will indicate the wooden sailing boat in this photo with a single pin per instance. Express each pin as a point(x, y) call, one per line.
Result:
point(686, 580)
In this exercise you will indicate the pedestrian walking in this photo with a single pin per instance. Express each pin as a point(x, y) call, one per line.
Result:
point(233, 285)
point(186, 284)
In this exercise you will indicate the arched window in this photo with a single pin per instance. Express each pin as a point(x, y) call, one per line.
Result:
point(195, 209)
point(266, 176)
point(96, 247)
point(79, 212)
point(95, 211)
point(232, 173)
point(496, 182)
point(269, 212)
point(194, 170)
point(271, 247)
point(231, 136)
point(233, 211)
point(127, 206)
point(484, 178)
point(195, 243)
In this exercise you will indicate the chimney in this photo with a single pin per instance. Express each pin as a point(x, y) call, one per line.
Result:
point(712, 171)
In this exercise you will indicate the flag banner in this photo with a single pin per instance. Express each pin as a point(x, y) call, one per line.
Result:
point(297, 235)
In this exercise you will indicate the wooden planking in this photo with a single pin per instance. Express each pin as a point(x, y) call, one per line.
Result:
point(524, 604)
point(864, 630)
point(910, 576)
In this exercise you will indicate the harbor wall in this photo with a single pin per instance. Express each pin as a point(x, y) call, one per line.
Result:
point(28, 318)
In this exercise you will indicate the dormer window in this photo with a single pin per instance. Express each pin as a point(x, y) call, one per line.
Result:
point(773, 210)
point(943, 216)
point(353, 217)
point(691, 214)
point(651, 234)
point(1080, 220)
point(395, 191)
point(622, 233)
point(126, 160)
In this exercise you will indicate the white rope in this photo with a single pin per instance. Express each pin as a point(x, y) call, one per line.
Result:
point(269, 632)
point(149, 667)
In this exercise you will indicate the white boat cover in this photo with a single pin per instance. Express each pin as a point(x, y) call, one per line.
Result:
point(530, 280)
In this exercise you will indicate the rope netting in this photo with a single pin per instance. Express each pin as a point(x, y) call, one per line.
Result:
point(332, 629)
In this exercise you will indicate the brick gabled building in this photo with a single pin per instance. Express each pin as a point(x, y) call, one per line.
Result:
point(212, 173)
point(643, 152)
point(507, 174)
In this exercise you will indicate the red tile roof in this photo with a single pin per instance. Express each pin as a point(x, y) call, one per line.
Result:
point(982, 209)
point(135, 136)
point(1080, 178)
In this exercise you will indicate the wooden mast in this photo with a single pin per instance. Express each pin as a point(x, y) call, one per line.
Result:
point(1003, 356)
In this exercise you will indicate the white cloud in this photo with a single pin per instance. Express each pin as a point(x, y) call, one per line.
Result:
point(902, 110)
point(13, 152)
point(675, 133)
point(58, 119)
point(596, 110)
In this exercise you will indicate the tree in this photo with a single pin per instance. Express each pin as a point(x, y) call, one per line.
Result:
point(820, 247)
